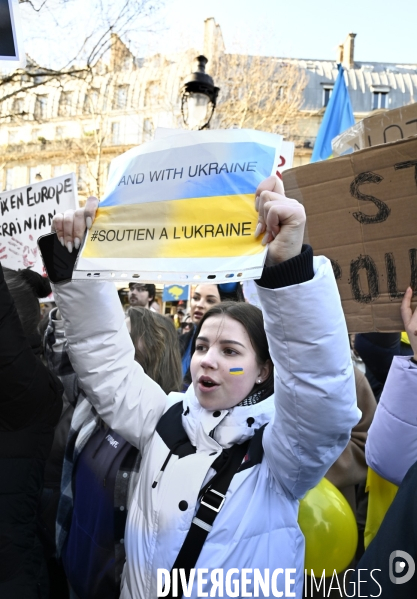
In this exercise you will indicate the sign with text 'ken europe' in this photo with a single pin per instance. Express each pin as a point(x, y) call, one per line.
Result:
point(27, 213)
point(182, 208)
point(362, 214)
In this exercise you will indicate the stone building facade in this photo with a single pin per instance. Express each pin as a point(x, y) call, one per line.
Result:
point(81, 124)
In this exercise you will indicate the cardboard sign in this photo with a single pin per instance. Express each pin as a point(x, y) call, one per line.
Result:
point(182, 208)
point(380, 128)
point(362, 214)
point(11, 39)
point(26, 214)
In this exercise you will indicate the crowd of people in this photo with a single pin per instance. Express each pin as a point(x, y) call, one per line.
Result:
point(134, 444)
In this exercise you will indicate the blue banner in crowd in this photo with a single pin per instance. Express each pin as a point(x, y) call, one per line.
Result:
point(174, 293)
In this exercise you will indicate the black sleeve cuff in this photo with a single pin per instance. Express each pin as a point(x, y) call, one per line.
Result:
point(291, 272)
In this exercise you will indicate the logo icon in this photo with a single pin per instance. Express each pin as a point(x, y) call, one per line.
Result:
point(401, 567)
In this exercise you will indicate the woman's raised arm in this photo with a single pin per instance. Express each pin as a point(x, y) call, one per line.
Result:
point(315, 399)
point(100, 347)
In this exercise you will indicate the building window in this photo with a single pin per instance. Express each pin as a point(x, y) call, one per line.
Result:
point(65, 103)
point(13, 136)
point(115, 133)
point(379, 100)
point(151, 94)
point(41, 103)
point(17, 107)
point(107, 98)
point(327, 92)
point(59, 133)
point(147, 129)
point(35, 135)
point(91, 99)
point(126, 63)
point(35, 174)
point(9, 179)
point(281, 93)
point(82, 177)
point(58, 170)
point(121, 97)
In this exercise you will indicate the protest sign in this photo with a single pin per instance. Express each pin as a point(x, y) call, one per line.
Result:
point(11, 39)
point(26, 213)
point(362, 214)
point(174, 293)
point(380, 128)
point(182, 207)
point(286, 158)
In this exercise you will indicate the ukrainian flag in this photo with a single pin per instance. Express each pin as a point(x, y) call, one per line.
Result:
point(236, 371)
point(337, 118)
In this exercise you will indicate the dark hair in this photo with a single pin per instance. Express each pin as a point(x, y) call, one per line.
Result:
point(150, 288)
point(228, 292)
point(251, 318)
point(231, 295)
point(156, 347)
point(26, 288)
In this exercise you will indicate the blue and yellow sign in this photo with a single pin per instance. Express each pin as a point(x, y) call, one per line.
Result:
point(174, 293)
point(184, 205)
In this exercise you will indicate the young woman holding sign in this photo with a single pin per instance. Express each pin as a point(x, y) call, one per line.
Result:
point(225, 464)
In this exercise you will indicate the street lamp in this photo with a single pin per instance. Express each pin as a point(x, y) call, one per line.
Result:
point(199, 95)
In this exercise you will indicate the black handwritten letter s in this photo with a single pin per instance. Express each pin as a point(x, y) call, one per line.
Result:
point(383, 210)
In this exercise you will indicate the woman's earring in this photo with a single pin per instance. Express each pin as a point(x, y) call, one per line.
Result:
point(259, 381)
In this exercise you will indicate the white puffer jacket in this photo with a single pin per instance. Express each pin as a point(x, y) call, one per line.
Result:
point(310, 423)
point(391, 447)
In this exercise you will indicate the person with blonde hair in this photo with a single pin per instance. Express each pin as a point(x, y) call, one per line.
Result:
point(156, 347)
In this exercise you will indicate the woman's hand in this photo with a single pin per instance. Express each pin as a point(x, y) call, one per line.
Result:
point(410, 320)
point(281, 220)
point(70, 226)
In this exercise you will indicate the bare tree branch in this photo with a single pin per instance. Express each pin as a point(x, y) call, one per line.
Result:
point(259, 92)
point(32, 5)
point(95, 46)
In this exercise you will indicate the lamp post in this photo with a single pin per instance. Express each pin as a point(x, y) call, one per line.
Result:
point(198, 99)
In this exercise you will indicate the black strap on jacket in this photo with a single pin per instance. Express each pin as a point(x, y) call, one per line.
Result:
point(212, 499)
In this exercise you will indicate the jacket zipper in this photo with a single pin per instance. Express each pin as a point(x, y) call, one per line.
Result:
point(158, 476)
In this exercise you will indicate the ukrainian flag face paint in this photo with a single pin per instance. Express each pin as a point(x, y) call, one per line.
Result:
point(236, 371)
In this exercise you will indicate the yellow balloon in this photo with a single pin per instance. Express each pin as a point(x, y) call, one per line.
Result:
point(329, 527)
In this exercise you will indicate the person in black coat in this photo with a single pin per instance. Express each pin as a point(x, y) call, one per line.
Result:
point(30, 407)
point(377, 351)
